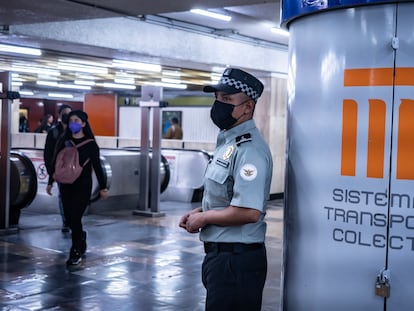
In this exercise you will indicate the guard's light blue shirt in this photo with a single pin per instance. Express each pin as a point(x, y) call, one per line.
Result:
point(239, 174)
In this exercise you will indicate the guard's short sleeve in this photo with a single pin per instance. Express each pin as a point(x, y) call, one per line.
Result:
point(252, 174)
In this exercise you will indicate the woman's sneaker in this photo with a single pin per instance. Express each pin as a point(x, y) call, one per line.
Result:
point(75, 258)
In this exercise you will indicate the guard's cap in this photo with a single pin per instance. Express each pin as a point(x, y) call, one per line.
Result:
point(235, 81)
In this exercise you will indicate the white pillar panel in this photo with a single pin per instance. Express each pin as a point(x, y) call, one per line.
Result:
point(339, 147)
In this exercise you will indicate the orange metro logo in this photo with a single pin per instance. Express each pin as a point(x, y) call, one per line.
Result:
point(376, 123)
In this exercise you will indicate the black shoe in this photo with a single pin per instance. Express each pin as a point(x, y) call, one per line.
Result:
point(75, 258)
point(83, 244)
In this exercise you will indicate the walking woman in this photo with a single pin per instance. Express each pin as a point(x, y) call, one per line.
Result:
point(76, 196)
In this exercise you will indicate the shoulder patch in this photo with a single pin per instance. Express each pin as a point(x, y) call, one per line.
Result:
point(243, 139)
point(248, 172)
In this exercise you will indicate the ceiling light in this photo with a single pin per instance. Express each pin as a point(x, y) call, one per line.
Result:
point(215, 78)
point(26, 93)
point(73, 86)
point(168, 80)
point(118, 86)
point(20, 50)
point(47, 83)
point(279, 31)
point(168, 85)
point(84, 82)
point(222, 17)
point(171, 73)
point(80, 62)
point(16, 83)
point(36, 70)
point(60, 95)
point(124, 81)
point(134, 65)
point(82, 68)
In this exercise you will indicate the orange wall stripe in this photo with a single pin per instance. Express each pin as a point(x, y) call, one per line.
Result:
point(376, 138)
point(405, 149)
point(404, 76)
point(368, 77)
point(349, 137)
point(379, 77)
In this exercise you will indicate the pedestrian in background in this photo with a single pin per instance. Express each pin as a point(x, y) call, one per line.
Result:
point(174, 131)
point(76, 196)
point(46, 124)
point(236, 190)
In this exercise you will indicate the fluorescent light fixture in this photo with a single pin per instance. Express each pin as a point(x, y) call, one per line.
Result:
point(79, 62)
point(81, 76)
point(136, 66)
point(73, 86)
point(26, 93)
point(124, 81)
point(16, 83)
point(82, 68)
point(215, 77)
point(47, 83)
point(168, 85)
point(118, 86)
point(84, 82)
point(219, 16)
point(171, 73)
point(60, 95)
point(168, 80)
point(20, 50)
point(36, 70)
point(279, 31)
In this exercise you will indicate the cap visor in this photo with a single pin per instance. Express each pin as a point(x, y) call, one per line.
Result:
point(221, 88)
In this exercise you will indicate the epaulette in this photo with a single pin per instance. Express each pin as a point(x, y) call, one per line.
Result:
point(243, 139)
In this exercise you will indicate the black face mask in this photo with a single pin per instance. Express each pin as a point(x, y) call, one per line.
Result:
point(65, 118)
point(221, 114)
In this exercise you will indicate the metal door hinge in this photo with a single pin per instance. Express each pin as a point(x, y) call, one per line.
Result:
point(395, 43)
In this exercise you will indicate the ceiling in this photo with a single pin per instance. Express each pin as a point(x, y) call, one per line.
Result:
point(251, 21)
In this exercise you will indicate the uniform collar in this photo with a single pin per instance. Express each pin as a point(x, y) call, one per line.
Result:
point(245, 127)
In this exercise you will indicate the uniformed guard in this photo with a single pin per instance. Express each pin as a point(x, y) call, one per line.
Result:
point(237, 185)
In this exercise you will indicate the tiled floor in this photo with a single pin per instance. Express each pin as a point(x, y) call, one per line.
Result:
point(132, 263)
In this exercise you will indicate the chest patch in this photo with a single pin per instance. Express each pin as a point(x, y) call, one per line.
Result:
point(248, 172)
point(222, 163)
point(228, 153)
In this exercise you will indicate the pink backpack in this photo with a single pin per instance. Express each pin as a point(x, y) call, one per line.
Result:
point(67, 166)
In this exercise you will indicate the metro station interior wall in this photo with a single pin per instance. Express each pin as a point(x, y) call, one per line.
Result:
point(39, 107)
point(102, 110)
point(196, 123)
point(270, 117)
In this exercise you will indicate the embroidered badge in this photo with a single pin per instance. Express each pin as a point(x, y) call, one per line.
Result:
point(222, 163)
point(248, 172)
point(228, 153)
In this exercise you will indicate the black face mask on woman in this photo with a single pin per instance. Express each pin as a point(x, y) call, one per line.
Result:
point(221, 114)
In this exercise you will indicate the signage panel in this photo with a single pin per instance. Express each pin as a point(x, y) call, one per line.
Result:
point(342, 114)
point(401, 248)
point(292, 9)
